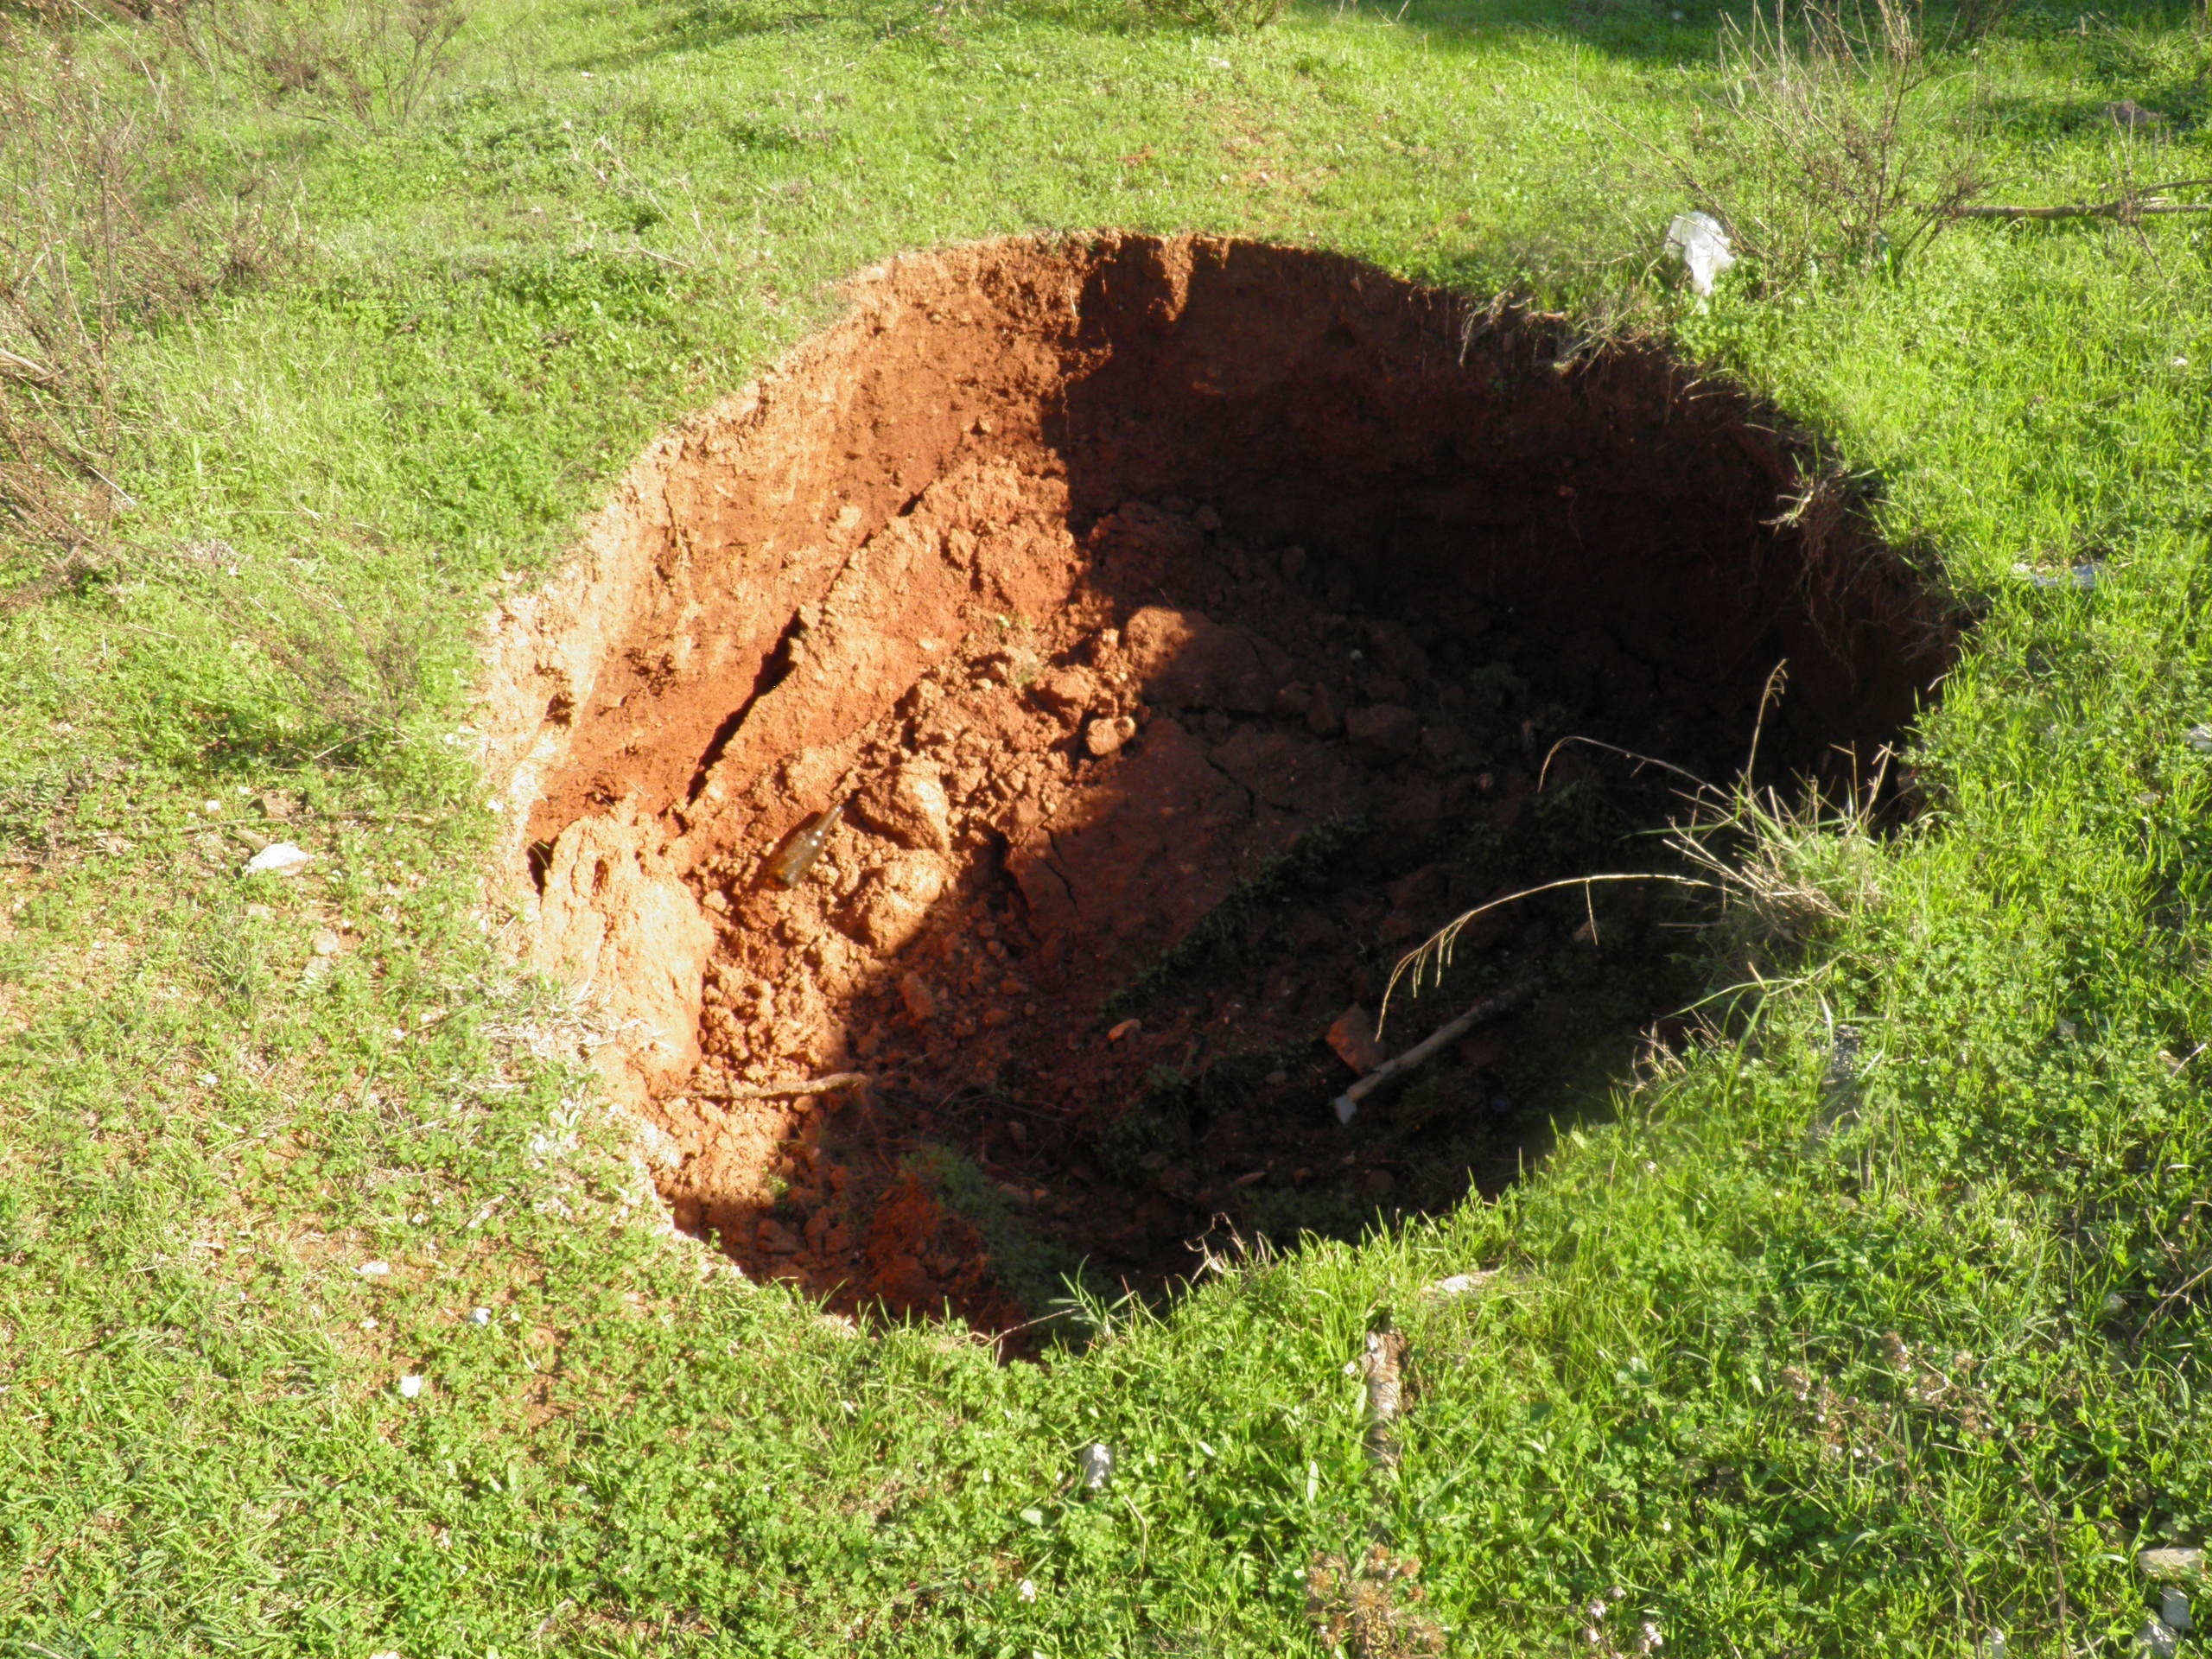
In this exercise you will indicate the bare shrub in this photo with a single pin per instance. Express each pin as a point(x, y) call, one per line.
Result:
point(374, 59)
point(1832, 137)
point(85, 258)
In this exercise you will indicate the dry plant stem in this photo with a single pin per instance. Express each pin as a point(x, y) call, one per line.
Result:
point(1438, 948)
point(1491, 1008)
point(828, 1086)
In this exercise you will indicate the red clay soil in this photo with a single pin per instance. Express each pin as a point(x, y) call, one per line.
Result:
point(1148, 594)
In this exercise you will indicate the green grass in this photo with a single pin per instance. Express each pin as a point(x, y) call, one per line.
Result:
point(611, 213)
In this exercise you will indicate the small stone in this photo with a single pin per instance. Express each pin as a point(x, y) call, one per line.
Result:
point(275, 803)
point(995, 1017)
point(2200, 738)
point(374, 1269)
point(1206, 518)
point(1104, 736)
point(2173, 1608)
point(1293, 561)
point(911, 806)
point(1379, 1183)
point(410, 1387)
point(328, 943)
point(2170, 1565)
point(479, 1316)
point(1123, 1030)
point(896, 907)
point(2159, 1640)
point(1353, 1036)
point(914, 992)
point(1322, 718)
point(1066, 692)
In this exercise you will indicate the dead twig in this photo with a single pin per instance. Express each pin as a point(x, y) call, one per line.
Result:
point(1491, 1008)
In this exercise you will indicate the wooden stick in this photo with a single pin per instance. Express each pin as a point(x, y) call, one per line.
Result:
point(827, 1085)
point(1489, 1008)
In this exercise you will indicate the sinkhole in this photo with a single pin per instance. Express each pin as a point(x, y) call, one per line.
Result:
point(1189, 627)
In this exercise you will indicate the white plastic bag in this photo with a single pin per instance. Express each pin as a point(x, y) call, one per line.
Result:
point(1699, 241)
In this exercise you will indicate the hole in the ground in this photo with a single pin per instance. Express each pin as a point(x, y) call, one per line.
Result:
point(1187, 622)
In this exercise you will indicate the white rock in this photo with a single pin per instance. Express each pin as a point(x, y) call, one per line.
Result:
point(2173, 1607)
point(278, 858)
point(410, 1386)
point(374, 1269)
point(480, 1316)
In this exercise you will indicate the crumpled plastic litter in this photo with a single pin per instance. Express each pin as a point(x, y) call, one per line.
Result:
point(1700, 242)
point(277, 857)
point(2083, 576)
point(1095, 1466)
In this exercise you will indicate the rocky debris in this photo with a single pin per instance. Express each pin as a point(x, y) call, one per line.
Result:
point(914, 993)
point(896, 906)
point(612, 919)
point(909, 803)
point(1067, 693)
point(776, 1238)
point(1381, 733)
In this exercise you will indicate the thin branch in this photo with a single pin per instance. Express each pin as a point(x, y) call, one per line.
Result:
point(1491, 1008)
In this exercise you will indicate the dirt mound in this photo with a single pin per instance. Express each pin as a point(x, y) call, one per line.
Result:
point(1186, 626)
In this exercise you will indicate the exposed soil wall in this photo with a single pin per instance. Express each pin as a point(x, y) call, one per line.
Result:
point(1188, 623)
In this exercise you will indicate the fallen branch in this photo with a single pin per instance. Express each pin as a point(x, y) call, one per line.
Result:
point(1491, 1008)
point(2123, 208)
point(828, 1086)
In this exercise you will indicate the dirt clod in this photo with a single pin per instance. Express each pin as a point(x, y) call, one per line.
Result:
point(1192, 626)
